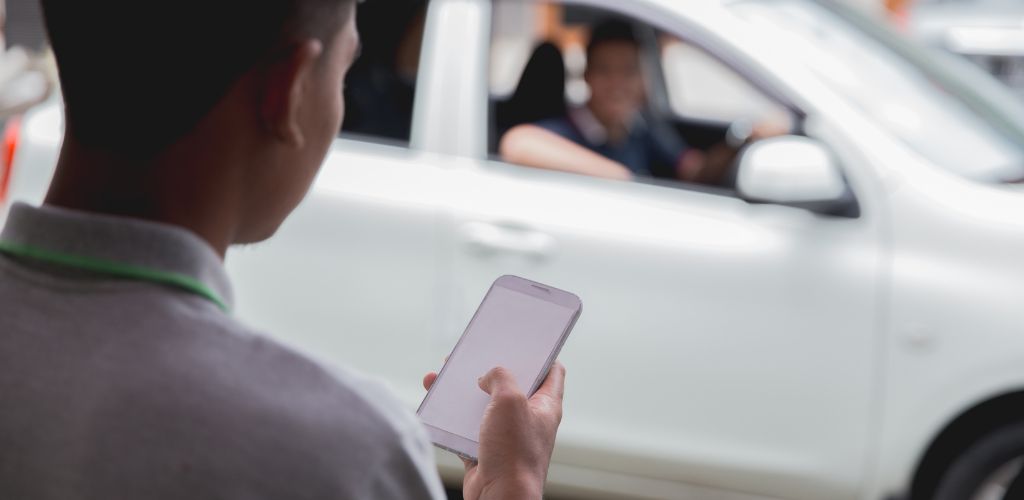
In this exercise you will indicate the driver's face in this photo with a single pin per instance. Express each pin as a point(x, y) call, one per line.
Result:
point(616, 81)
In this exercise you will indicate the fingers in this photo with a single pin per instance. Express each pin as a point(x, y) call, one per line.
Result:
point(428, 380)
point(499, 383)
point(767, 129)
point(430, 377)
point(554, 384)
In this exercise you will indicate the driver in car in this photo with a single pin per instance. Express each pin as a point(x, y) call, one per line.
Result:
point(609, 136)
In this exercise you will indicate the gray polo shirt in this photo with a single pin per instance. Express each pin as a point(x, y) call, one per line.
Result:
point(116, 388)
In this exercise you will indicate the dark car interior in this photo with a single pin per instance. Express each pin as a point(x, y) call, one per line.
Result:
point(379, 94)
point(380, 86)
point(541, 91)
point(539, 96)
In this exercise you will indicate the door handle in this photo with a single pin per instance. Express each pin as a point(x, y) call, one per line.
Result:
point(489, 239)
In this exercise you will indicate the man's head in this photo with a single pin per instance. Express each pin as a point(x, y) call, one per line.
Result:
point(613, 72)
point(253, 83)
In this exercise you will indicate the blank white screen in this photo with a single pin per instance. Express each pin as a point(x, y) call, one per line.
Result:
point(511, 329)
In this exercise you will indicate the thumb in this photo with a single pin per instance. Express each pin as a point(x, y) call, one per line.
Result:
point(497, 381)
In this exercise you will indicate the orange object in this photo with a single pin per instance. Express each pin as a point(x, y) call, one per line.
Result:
point(899, 12)
point(8, 147)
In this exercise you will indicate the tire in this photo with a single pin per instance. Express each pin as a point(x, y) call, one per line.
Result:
point(996, 453)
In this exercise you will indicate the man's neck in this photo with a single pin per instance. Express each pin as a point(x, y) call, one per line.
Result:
point(615, 131)
point(166, 189)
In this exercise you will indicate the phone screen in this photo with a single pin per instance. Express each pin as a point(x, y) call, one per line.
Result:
point(511, 329)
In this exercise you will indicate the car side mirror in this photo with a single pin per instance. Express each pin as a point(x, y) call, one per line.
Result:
point(795, 171)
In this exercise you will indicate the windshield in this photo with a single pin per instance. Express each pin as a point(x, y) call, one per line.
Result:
point(943, 108)
point(975, 2)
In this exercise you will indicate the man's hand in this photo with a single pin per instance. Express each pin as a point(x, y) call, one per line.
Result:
point(767, 129)
point(517, 437)
point(710, 168)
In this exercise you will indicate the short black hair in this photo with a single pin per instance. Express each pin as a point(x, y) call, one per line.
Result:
point(137, 75)
point(611, 30)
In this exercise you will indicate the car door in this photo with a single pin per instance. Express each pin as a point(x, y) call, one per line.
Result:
point(723, 344)
point(352, 278)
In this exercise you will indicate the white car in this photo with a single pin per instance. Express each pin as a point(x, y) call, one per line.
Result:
point(847, 323)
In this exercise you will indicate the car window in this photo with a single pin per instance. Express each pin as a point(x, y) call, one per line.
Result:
point(701, 87)
point(946, 110)
point(660, 108)
point(381, 86)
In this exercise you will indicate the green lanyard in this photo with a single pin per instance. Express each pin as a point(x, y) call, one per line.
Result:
point(115, 269)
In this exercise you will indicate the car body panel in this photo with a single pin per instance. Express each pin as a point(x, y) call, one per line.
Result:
point(729, 350)
point(352, 276)
point(955, 299)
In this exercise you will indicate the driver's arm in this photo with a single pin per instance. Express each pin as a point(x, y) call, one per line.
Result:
point(533, 146)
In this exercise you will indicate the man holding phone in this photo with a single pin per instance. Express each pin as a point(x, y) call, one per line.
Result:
point(191, 126)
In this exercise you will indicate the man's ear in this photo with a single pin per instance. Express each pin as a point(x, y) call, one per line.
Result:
point(286, 85)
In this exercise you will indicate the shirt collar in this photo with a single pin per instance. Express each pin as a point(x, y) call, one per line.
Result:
point(593, 131)
point(134, 242)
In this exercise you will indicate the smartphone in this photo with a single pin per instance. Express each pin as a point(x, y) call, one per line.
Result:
point(521, 325)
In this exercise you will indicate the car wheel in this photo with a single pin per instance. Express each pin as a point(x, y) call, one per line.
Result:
point(986, 469)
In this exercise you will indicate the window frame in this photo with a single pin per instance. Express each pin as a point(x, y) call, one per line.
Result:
point(657, 20)
point(380, 140)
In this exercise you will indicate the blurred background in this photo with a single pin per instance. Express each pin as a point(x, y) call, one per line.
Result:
point(25, 74)
point(811, 288)
point(989, 33)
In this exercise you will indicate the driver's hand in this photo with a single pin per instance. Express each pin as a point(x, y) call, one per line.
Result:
point(517, 436)
point(769, 128)
point(691, 166)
